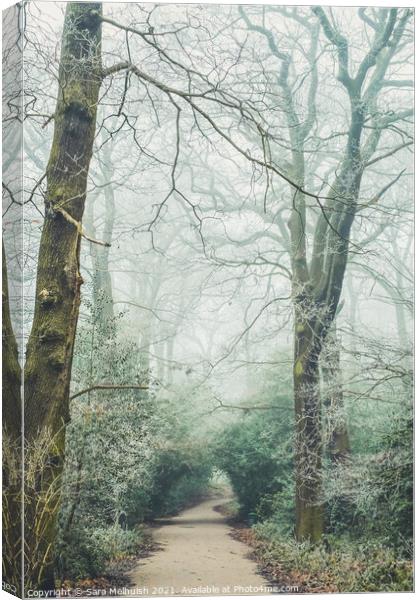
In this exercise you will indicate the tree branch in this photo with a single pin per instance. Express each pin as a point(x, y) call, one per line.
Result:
point(390, 153)
point(336, 38)
point(79, 227)
point(379, 43)
point(108, 386)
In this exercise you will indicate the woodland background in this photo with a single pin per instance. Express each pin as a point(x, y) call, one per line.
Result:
point(217, 239)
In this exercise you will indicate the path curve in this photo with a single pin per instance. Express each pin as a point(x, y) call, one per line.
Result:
point(198, 556)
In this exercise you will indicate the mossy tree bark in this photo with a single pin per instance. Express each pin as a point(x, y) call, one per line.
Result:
point(12, 422)
point(51, 342)
point(11, 372)
point(308, 442)
point(12, 200)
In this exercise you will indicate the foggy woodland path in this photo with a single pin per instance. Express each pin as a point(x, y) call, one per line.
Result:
point(208, 269)
point(197, 550)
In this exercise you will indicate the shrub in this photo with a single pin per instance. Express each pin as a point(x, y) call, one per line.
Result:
point(373, 495)
point(337, 565)
point(181, 475)
point(91, 550)
point(256, 454)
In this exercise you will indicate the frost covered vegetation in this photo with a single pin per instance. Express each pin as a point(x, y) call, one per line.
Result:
point(367, 543)
point(128, 459)
point(218, 247)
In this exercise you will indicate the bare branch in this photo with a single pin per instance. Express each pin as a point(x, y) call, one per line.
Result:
point(79, 227)
point(108, 386)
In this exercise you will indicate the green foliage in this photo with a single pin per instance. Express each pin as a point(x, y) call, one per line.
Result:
point(256, 454)
point(368, 502)
point(91, 550)
point(280, 506)
point(129, 456)
point(181, 475)
point(337, 565)
point(372, 495)
point(392, 477)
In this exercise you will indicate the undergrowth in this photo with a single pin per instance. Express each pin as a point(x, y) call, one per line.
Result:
point(336, 565)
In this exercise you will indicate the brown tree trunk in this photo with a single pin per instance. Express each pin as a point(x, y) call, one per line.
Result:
point(307, 348)
point(11, 372)
point(12, 469)
point(50, 345)
point(12, 134)
point(338, 441)
point(308, 443)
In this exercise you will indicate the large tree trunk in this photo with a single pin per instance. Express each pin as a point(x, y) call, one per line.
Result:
point(50, 346)
point(308, 442)
point(12, 134)
point(307, 348)
point(12, 469)
point(11, 372)
point(338, 441)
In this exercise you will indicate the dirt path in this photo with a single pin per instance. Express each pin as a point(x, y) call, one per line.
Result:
point(198, 557)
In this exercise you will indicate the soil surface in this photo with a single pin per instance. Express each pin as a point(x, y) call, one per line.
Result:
point(198, 556)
